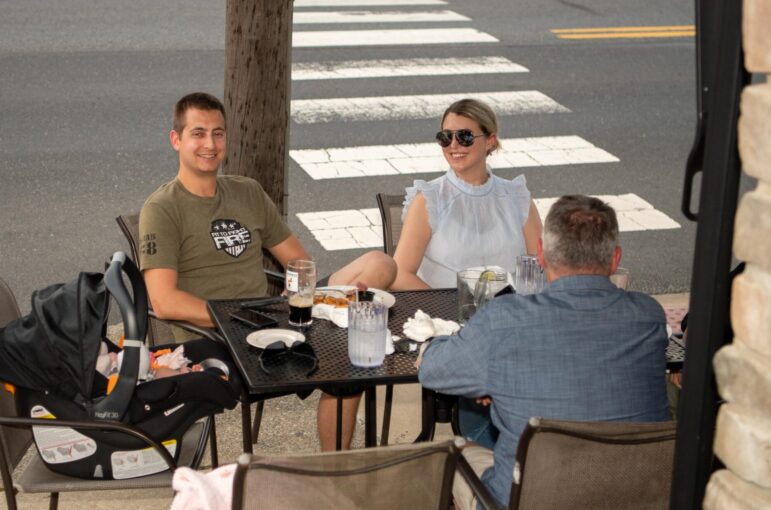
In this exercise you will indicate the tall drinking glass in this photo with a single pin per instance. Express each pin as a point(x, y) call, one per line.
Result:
point(367, 323)
point(620, 278)
point(477, 286)
point(530, 278)
point(300, 286)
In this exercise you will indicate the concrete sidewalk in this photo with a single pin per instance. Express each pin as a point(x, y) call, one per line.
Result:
point(288, 426)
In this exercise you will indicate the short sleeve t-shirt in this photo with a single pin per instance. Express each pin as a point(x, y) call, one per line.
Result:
point(214, 243)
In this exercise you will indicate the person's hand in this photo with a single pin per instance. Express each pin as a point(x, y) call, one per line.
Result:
point(423, 347)
point(485, 401)
point(676, 379)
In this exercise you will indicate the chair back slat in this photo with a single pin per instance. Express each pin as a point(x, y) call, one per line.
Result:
point(598, 465)
point(15, 441)
point(402, 476)
point(391, 215)
point(129, 225)
point(158, 332)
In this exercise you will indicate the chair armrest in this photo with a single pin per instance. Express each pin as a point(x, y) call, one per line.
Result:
point(113, 426)
point(275, 275)
point(239, 479)
point(211, 334)
point(476, 485)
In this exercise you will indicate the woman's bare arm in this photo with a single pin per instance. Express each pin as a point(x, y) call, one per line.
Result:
point(532, 229)
point(416, 233)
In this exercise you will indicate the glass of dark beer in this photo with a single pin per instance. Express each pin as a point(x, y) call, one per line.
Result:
point(300, 286)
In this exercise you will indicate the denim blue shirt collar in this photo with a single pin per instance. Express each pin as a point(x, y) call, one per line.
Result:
point(581, 282)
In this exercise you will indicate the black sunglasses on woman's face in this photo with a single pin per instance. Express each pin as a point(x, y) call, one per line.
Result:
point(464, 136)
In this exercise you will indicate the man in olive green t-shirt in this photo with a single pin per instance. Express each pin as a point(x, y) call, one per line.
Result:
point(201, 237)
point(214, 243)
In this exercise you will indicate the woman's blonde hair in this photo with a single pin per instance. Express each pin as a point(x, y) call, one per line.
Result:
point(480, 113)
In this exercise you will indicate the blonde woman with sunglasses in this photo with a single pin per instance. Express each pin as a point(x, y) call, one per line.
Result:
point(468, 217)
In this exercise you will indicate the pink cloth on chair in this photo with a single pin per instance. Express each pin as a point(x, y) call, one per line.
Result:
point(203, 491)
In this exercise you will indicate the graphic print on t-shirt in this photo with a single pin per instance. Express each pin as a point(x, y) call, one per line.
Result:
point(230, 236)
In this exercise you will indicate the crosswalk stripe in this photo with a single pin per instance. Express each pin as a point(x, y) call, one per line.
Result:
point(366, 161)
point(403, 67)
point(363, 3)
point(397, 37)
point(347, 109)
point(362, 228)
point(307, 18)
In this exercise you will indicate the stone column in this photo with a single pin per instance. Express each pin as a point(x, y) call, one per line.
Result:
point(743, 368)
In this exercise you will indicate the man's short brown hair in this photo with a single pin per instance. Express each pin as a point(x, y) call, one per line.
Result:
point(580, 232)
point(197, 100)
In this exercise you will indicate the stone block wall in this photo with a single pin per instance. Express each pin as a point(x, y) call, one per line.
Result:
point(743, 368)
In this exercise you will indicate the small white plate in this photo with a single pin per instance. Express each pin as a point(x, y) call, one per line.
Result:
point(264, 337)
point(386, 298)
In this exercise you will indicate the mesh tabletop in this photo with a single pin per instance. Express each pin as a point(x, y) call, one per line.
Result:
point(330, 344)
point(675, 352)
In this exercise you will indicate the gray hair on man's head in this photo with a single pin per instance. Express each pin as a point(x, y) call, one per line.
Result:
point(580, 232)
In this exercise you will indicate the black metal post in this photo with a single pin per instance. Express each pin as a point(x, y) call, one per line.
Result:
point(710, 283)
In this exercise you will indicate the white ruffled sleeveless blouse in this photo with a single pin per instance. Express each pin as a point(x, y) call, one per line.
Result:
point(471, 225)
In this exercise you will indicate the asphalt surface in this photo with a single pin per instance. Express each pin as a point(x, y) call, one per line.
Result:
point(87, 90)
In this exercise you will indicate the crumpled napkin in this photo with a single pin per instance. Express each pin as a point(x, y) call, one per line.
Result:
point(390, 339)
point(422, 327)
point(337, 314)
point(203, 491)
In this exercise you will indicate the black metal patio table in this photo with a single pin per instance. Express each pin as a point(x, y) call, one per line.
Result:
point(330, 344)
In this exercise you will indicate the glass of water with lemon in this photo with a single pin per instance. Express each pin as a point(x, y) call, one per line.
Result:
point(477, 286)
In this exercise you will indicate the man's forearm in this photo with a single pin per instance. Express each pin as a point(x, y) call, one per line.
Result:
point(182, 306)
point(446, 368)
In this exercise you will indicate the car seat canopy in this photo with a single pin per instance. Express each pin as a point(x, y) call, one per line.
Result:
point(54, 348)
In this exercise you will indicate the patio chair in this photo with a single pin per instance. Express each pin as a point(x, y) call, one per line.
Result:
point(391, 214)
point(160, 329)
point(15, 440)
point(598, 465)
point(401, 476)
point(445, 406)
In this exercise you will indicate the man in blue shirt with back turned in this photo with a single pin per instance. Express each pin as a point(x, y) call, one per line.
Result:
point(580, 350)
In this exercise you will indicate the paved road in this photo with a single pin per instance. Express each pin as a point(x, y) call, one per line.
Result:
point(86, 93)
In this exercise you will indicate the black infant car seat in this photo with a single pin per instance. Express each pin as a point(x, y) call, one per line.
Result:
point(50, 356)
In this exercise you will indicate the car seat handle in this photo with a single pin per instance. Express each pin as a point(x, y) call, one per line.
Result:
point(134, 314)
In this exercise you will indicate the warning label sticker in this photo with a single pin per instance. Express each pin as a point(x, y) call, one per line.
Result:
point(58, 445)
point(131, 464)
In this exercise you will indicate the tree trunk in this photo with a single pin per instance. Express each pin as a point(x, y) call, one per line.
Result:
point(257, 92)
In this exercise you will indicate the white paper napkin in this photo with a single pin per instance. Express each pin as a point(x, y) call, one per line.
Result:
point(337, 314)
point(422, 326)
point(390, 339)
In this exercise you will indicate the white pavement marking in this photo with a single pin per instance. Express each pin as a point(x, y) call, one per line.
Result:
point(634, 214)
point(364, 161)
point(362, 3)
point(403, 67)
point(389, 37)
point(312, 18)
point(362, 228)
point(348, 109)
